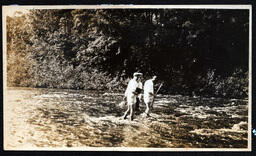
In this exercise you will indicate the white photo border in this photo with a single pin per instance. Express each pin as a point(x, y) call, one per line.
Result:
point(6, 10)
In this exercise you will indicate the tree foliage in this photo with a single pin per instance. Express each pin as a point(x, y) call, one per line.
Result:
point(188, 49)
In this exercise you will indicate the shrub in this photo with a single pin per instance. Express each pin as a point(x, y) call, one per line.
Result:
point(233, 86)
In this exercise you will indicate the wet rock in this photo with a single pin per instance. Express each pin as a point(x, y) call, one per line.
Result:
point(240, 126)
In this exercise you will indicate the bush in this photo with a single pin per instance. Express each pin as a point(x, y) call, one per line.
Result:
point(233, 86)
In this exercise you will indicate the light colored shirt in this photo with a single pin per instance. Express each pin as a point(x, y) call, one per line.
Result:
point(148, 87)
point(140, 85)
point(132, 85)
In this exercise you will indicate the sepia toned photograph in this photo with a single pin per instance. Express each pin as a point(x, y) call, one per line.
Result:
point(127, 77)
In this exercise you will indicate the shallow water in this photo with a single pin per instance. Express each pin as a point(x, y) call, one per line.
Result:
point(75, 118)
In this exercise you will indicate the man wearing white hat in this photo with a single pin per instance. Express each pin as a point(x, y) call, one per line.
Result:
point(131, 94)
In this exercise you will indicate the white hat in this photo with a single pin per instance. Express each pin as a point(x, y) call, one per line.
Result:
point(137, 74)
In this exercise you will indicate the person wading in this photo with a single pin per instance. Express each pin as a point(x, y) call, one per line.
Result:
point(131, 94)
point(149, 94)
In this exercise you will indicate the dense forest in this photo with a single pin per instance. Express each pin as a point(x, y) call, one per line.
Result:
point(192, 51)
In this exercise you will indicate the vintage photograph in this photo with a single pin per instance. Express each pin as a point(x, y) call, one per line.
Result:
point(127, 78)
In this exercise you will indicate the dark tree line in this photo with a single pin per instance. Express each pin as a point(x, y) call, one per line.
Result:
point(204, 51)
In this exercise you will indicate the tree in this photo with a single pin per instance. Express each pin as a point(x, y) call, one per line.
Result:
point(91, 48)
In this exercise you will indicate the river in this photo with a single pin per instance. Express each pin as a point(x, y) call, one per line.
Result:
point(51, 118)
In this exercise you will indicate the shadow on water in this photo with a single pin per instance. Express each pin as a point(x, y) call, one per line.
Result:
point(80, 118)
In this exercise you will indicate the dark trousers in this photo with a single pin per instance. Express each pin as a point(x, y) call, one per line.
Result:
point(137, 104)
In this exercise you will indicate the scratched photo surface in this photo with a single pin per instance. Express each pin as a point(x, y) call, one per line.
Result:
point(67, 70)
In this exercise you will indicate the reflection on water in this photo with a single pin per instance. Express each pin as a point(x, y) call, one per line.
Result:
point(70, 118)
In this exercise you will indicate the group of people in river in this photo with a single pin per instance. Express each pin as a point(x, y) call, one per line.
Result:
point(133, 95)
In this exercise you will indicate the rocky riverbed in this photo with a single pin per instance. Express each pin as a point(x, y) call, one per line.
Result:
point(56, 118)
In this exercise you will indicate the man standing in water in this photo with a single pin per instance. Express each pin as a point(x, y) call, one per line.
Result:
point(131, 94)
point(149, 94)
